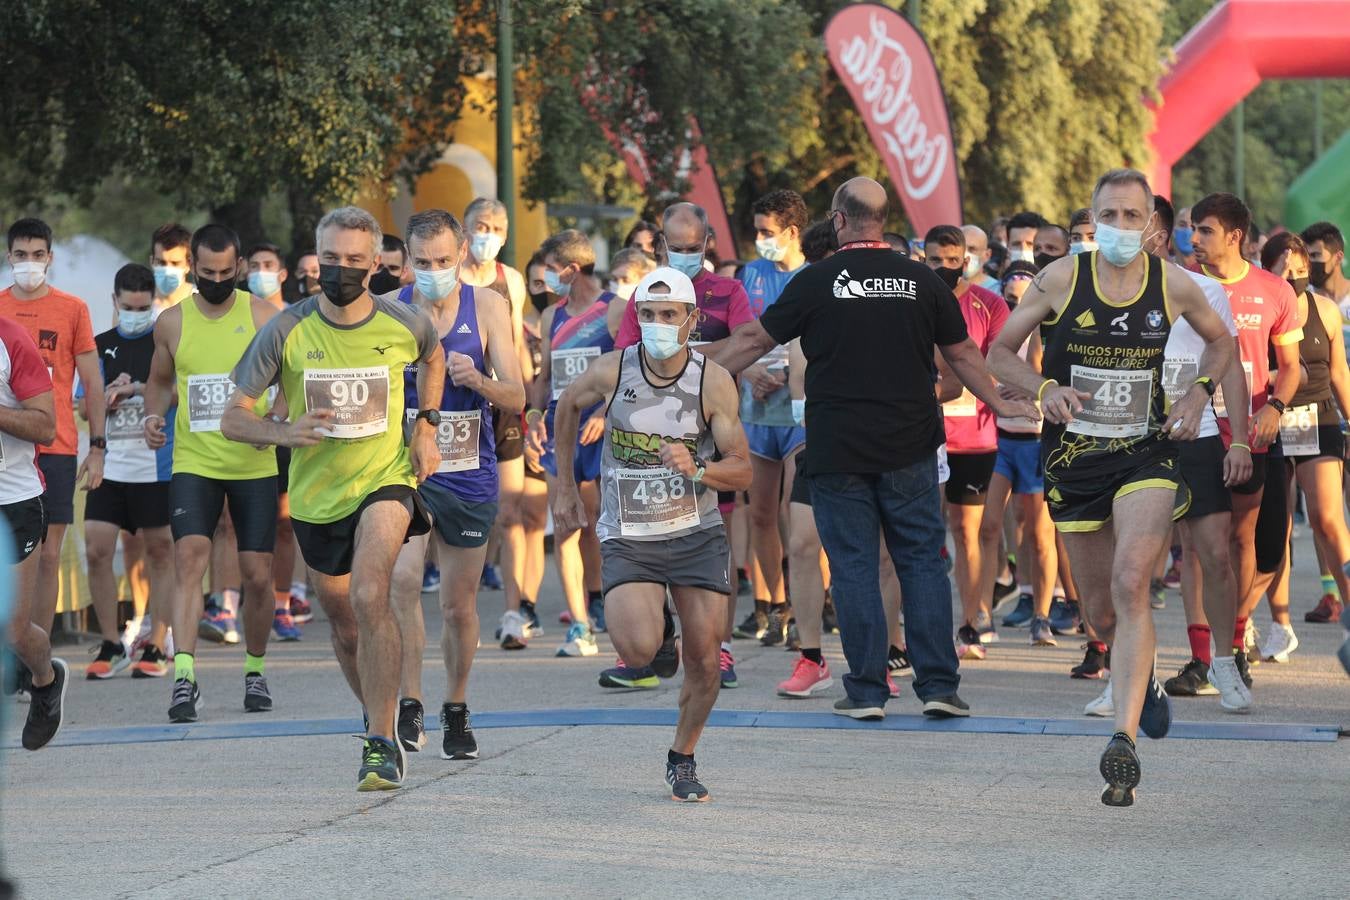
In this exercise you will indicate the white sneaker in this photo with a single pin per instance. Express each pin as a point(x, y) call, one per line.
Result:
point(580, 642)
point(1234, 696)
point(1103, 707)
point(1250, 637)
point(1280, 642)
point(512, 631)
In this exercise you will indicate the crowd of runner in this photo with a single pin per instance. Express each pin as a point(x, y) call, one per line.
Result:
point(1164, 396)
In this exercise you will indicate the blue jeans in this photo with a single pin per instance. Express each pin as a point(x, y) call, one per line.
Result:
point(853, 513)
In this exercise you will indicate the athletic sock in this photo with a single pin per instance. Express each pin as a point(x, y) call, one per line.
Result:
point(253, 665)
point(1024, 589)
point(283, 599)
point(813, 654)
point(184, 666)
point(299, 589)
point(726, 645)
point(679, 757)
point(229, 600)
point(1329, 586)
point(1239, 632)
point(762, 606)
point(1199, 636)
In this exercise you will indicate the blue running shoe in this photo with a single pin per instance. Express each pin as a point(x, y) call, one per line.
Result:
point(431, 578)
point(595, 609)
point(1156, 717)
point(1065, 617)
point(728, 667)
point(623, 676)
point(490, 580)
point(284, 627)
point(1022, 615)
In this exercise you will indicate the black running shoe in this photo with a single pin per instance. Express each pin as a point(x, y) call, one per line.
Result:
point(753, 628)
point(775, 631)
point(456, 733)
point(667, 660)
point(829, 619)
point(684, 784)
point(187, 701)
point(1120, 768)
point(948, 706)
point(531, 618)
point(1244, 667)
point(47, 709)
point(256, 696)
point(381, 766)
point(410, 729)
point(1095, 664)
point(898, 664)
point(794, 639)
point(1191, 681)
point(1156, 717)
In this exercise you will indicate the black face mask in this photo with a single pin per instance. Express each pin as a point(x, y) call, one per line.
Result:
point(382, 282)
point(949, 276)
point(541, 300)
point(1298, 284)
point(215, 292)
point(1318, 272)
point(342, 285)
point(1044, 259)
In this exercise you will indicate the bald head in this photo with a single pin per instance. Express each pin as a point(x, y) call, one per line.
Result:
point(863, 203)
point(684, 223)
point(977, 241)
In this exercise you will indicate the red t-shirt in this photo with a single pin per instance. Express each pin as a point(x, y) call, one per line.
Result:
point(59, 323)
point(1265, 311)
point(969, 422)
point(23, 376)
point(722, 306)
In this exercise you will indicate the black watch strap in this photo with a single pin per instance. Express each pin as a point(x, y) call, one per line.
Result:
point(1279, 405)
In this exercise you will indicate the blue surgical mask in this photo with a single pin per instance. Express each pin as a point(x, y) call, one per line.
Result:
point(169, 279)
point(263, 284)
point(661, 341)
point(768, 248)
point(485, 246)
point(1118, 247)
point(1081, 247)
point(691, 264)
point(435, 284)
point(555, 283)
point(1182, 239)
point(133, 323)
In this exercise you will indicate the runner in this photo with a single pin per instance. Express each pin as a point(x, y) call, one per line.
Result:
point(339, 359)
point(668, 410)
point(169, 261)
point(134, 497)
point(1082, 231)
point(1183, 248)
point(197, 342)
point(977, 257)
point(59, 323)
point(307, 275)
point(27, 418)
point(626, 269)
point(474, 327)
point(1052, 243)
point(1110, 469)
point(1023, 229)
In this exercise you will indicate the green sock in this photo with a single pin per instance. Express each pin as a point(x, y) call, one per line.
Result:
point(1329, 585)
point(185, 666)
point(253, 665)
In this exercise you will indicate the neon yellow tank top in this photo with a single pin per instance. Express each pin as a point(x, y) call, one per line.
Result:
point(208, 350)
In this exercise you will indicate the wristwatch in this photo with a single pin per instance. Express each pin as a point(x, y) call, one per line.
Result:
point(100, 443)
point(1278, 404)
point(433, 416)
point(1207, 383)
point(700, 467)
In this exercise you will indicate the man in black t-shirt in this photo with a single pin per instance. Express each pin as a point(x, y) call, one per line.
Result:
point(869, 321)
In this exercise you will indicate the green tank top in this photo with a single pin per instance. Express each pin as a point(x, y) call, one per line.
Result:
point(208, 350)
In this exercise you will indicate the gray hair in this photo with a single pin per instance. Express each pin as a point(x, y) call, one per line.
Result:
point(485, 205)
point(429, 223)
point(685, 207)
point(1125, 176)
point(571, 246)
point(352, 218)
point(632, 256)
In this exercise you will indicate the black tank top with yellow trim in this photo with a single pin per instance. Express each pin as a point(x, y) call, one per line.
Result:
point(1112, 351)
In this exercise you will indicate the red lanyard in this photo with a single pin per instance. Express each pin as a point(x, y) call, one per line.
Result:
point(865, 245)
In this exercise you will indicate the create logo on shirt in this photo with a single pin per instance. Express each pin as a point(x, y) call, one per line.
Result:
point(46, 339)
point(846, 287)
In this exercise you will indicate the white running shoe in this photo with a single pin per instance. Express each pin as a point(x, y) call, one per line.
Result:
point(1279, 643)
point(580, 641)
point(1250, 637)
point(1234, 696)
point(512, 631)
point(1103, 707)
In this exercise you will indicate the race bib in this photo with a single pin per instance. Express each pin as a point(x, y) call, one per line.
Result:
point(1220, 408)
point(207, 397)
point(1298, 431)
point(963, 405)
point(359, 399)
point(1178, 374)
point(123, 428)
point(457, 437)
point(569, 365)
point(654, 502)
point(1119, 403)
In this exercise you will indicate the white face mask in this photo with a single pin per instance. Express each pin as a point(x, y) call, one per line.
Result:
point(29, 276)
point(972, 269)
point(661, 341)
point(770, 249)
point(135, 322)
point(264, 284)
point(435, 284)
point(1082, 247)
point(1118, 246)
point(485, 246)
point(1022, 254)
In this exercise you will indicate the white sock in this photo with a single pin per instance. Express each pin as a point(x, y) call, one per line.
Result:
point(299, 589)
point(726, 645)
point(1024, 589)
point(229, 599)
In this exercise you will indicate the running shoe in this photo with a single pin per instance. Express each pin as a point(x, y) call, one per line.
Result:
point(411, 733)
point(667, 660)
point(230, 627)
point(1191, 681)
point(892, 687)
point(1104, 707)
point(533, 628)
point(1244, 667)
point(1280, 642)
point(683, 780)
point(1156, 717)
point(727, 665)
point(580, 641)
point(984, 626)
point(1120, 768)
point(1022, 615)
point(898, 664)
point(1096, 662)
point(1003, 593)
point(1065, 617)
point(623, 676)
point(859, 709)
point(807, 679)
point(431, 578)
point(112, 658)
point(152, 664)
point(301, 611)
point(1157, 594)
point(512, 631)
point(753, 628)
point(284, 627)
point(948, 706)
point(1042, 635)
point(1250, 637)
point(212, 624)
point(1172, 580)
point(256, 696)
point(457, 741)
point(187, 701)
point(381, 766)
point(794, 639)
point(968, 644)
point(775, 631)
point(829, 618)
point(47, 708)
point(565, 617)
point(595, 609)
point(490, 579)
point(1234, 696)
point(742, 583)
point(1328, 610)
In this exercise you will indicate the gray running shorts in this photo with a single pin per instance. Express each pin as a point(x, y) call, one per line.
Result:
point(698, 560)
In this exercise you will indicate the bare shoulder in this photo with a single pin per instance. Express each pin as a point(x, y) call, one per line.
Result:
point(263, 312)
point(1329, 311)
point(716, 378)
point(1181, 285)
point(169, 325)
point(485, 298)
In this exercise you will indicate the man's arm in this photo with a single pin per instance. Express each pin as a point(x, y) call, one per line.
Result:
point(1189, 301)
point(1047, 294)
point(746, 344)
point(518, 296)
point(721, 405)
point(91, 375)
point(505, 389)
point(1339, 370)
point(948, 386)
point(34, 422)
point(159, 385)
point(241, 423)
point(590, 388)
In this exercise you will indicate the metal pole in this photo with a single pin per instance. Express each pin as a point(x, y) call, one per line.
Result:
point(1239, 154)
point(1317, 119)
point(506, 169)
point(914, 9)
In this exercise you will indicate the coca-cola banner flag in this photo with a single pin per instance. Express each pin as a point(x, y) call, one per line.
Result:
point(883, 61)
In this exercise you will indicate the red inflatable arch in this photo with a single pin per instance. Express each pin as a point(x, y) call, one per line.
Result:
point(1230, 51)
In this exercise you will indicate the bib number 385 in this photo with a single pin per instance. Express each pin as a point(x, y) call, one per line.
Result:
point(1119, 402)
point(359, 399)
point(654, 502)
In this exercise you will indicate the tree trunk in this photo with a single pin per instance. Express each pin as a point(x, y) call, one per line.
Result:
point(305, 215)
point(244, 215)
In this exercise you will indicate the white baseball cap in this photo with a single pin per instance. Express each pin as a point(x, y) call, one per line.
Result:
point(675, 287)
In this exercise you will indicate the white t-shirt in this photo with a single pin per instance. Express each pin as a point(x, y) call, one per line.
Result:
point(1181, 360)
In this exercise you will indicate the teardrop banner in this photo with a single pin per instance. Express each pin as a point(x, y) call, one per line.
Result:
point(884, 62)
